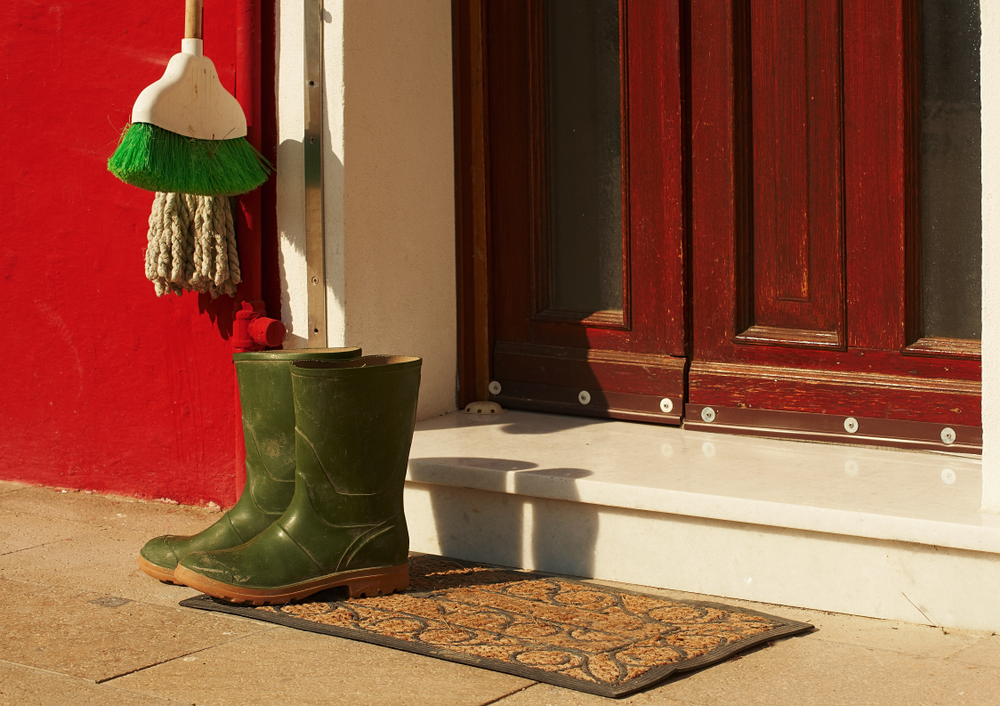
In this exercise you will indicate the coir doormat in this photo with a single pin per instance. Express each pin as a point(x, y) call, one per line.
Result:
point(551, 629)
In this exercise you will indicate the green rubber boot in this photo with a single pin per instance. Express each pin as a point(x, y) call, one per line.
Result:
point(269, 431)
point(345, 525)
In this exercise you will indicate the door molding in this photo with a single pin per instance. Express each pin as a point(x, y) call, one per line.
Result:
point(472, 241)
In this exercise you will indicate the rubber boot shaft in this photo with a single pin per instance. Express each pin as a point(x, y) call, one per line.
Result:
point(268, 412)
point(354, 426)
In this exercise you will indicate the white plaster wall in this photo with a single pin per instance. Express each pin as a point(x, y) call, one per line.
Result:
point(399, 187)
point(990, 82)
point(289, 177)
point(389, 183)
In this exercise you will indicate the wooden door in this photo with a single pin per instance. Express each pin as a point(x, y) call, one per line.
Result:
point(790, 187)
point(584, 125)
point(806, 252)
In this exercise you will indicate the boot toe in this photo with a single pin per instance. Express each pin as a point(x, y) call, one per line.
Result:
point(159, 551)
point(208, 565)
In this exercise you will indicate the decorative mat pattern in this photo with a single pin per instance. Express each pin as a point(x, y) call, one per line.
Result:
point(552, 629)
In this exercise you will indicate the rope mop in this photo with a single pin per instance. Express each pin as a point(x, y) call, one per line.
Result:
point(192, 245)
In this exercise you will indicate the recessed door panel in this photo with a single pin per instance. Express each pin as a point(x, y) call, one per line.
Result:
point(586, 220)
point(950, 179)
point(805, 241)
point(581, 161)
point(796, 138)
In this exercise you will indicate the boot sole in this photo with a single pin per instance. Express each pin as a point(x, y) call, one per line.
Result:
point(365, 582)
point(158, 572)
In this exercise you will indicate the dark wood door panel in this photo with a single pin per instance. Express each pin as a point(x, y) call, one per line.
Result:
point(880, 193)
point(803, 258)
point(860, 360)
point(628, 361)
point(768, 171)
point(797, 175)
point(769, 240)
point(590, 382)
point(653, 226)
point(873, 394)
point(656, 176)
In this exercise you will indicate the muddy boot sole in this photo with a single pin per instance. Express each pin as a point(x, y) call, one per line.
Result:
point(364, 582)
point(158, 572)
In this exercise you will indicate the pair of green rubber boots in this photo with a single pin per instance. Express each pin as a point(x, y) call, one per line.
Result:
point(328, 436)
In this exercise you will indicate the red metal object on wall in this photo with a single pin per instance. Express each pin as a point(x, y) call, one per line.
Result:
point(106, 386)
point(252, 331)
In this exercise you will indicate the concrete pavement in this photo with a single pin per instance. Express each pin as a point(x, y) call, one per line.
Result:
point(80, 624)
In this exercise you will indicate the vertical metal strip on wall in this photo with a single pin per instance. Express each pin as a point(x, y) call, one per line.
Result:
point(313, 153)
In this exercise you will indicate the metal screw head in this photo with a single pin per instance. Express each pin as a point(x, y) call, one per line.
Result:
point(851, 425)
point(495, 388)
point(666, 405)
point(485, 408)
point(584, 397)
point(948, 476)
point(708, 415)
point(948, 435)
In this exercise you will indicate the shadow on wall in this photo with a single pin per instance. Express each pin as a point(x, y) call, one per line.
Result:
point(292, 232)
point(503, 520)
point(290, 205)
point(221, 311)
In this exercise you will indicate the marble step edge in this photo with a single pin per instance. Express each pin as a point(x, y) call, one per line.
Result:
point(983, 536)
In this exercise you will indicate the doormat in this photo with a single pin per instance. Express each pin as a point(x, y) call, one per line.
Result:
point(552, 629)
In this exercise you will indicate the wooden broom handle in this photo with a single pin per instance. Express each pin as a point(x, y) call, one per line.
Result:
point(192, 19)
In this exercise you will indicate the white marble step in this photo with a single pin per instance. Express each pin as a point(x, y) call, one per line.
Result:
point(890, 534)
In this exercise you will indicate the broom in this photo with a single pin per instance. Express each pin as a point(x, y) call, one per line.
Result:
point(188, 134)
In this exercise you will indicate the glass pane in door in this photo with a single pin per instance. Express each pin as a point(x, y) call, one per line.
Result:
point(583, 148)
point(950, 178)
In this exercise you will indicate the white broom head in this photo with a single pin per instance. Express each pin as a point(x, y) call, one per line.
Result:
point(189, 100)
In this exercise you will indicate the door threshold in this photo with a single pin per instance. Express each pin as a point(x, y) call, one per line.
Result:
point(880, 532)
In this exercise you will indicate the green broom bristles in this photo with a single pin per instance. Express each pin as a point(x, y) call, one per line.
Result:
point(159, 160)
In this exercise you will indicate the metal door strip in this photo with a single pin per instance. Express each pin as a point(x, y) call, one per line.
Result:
point(313, 153)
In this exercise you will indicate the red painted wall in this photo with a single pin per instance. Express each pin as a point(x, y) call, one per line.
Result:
point(104, 386)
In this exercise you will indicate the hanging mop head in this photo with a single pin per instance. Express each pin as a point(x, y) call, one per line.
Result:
point(188, 134)
point(192, 245)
